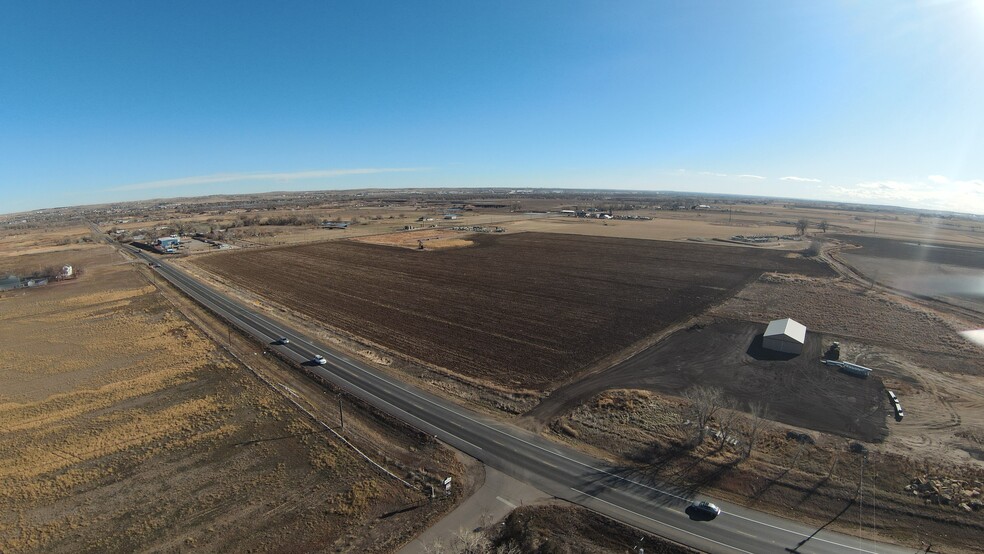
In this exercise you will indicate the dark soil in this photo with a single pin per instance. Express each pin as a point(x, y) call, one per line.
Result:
point(798, 390)
point(526, 310)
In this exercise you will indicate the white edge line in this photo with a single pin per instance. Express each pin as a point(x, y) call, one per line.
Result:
point(506, 502)
point(662, 523)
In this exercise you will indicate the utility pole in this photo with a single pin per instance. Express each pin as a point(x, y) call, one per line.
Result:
point(341, 415)
point(864, 457)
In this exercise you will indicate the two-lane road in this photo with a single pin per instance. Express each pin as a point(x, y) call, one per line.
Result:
point(558, 470)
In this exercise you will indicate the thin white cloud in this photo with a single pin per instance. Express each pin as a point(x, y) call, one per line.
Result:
point(713, 174)
point(800, 179)
point(279, 177)
point(749, 176)
point(935, 193)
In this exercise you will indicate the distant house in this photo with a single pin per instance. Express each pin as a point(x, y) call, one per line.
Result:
point(450, 216)
point(785, 335)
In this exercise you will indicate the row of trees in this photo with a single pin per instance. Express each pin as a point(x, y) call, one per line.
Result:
point(249, 221)
point(708, 402)
point(803, 224)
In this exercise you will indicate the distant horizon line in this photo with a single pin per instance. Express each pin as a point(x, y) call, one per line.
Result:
point(500, 189)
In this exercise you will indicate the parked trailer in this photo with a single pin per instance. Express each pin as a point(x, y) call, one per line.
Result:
point(848, 367)
point(899, 414)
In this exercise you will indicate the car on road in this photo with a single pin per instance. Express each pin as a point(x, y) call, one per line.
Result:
point(283, 340)
point(706, 508)
point(319, 359)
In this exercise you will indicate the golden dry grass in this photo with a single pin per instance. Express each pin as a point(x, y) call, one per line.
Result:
point(23, 242)
point(122, 428)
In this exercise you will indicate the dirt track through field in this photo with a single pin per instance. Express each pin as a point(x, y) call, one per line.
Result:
point(524, 311)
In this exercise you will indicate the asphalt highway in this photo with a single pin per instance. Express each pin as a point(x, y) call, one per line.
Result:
point(626, 496)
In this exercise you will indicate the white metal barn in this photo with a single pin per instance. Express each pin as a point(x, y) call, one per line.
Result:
point(785, 335)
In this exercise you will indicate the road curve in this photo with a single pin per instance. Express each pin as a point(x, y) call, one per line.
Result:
point(621, 494)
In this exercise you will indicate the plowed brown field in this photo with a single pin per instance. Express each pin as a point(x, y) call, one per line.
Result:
point(525, 310)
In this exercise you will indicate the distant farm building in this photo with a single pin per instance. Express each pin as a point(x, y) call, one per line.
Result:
point(168, 244)
point(335, 225)
point(785, 335)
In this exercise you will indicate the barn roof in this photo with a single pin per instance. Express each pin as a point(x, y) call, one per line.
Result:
point(787, 327)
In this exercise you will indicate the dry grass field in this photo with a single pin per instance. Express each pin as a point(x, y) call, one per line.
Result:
point(123, 428)
point(430, 239)
point(523, 311)
point(770, 219)
point(701, 226)
point(849, 310)
point(19, 243)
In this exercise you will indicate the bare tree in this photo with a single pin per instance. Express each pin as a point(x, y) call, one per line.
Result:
point(728, 420)
point(823, 225)
point(802, 225)
point(436, 547)
point(759, 418)
point(704, 403)
point(469, 542)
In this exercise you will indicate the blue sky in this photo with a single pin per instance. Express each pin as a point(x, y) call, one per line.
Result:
point(857, 101)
